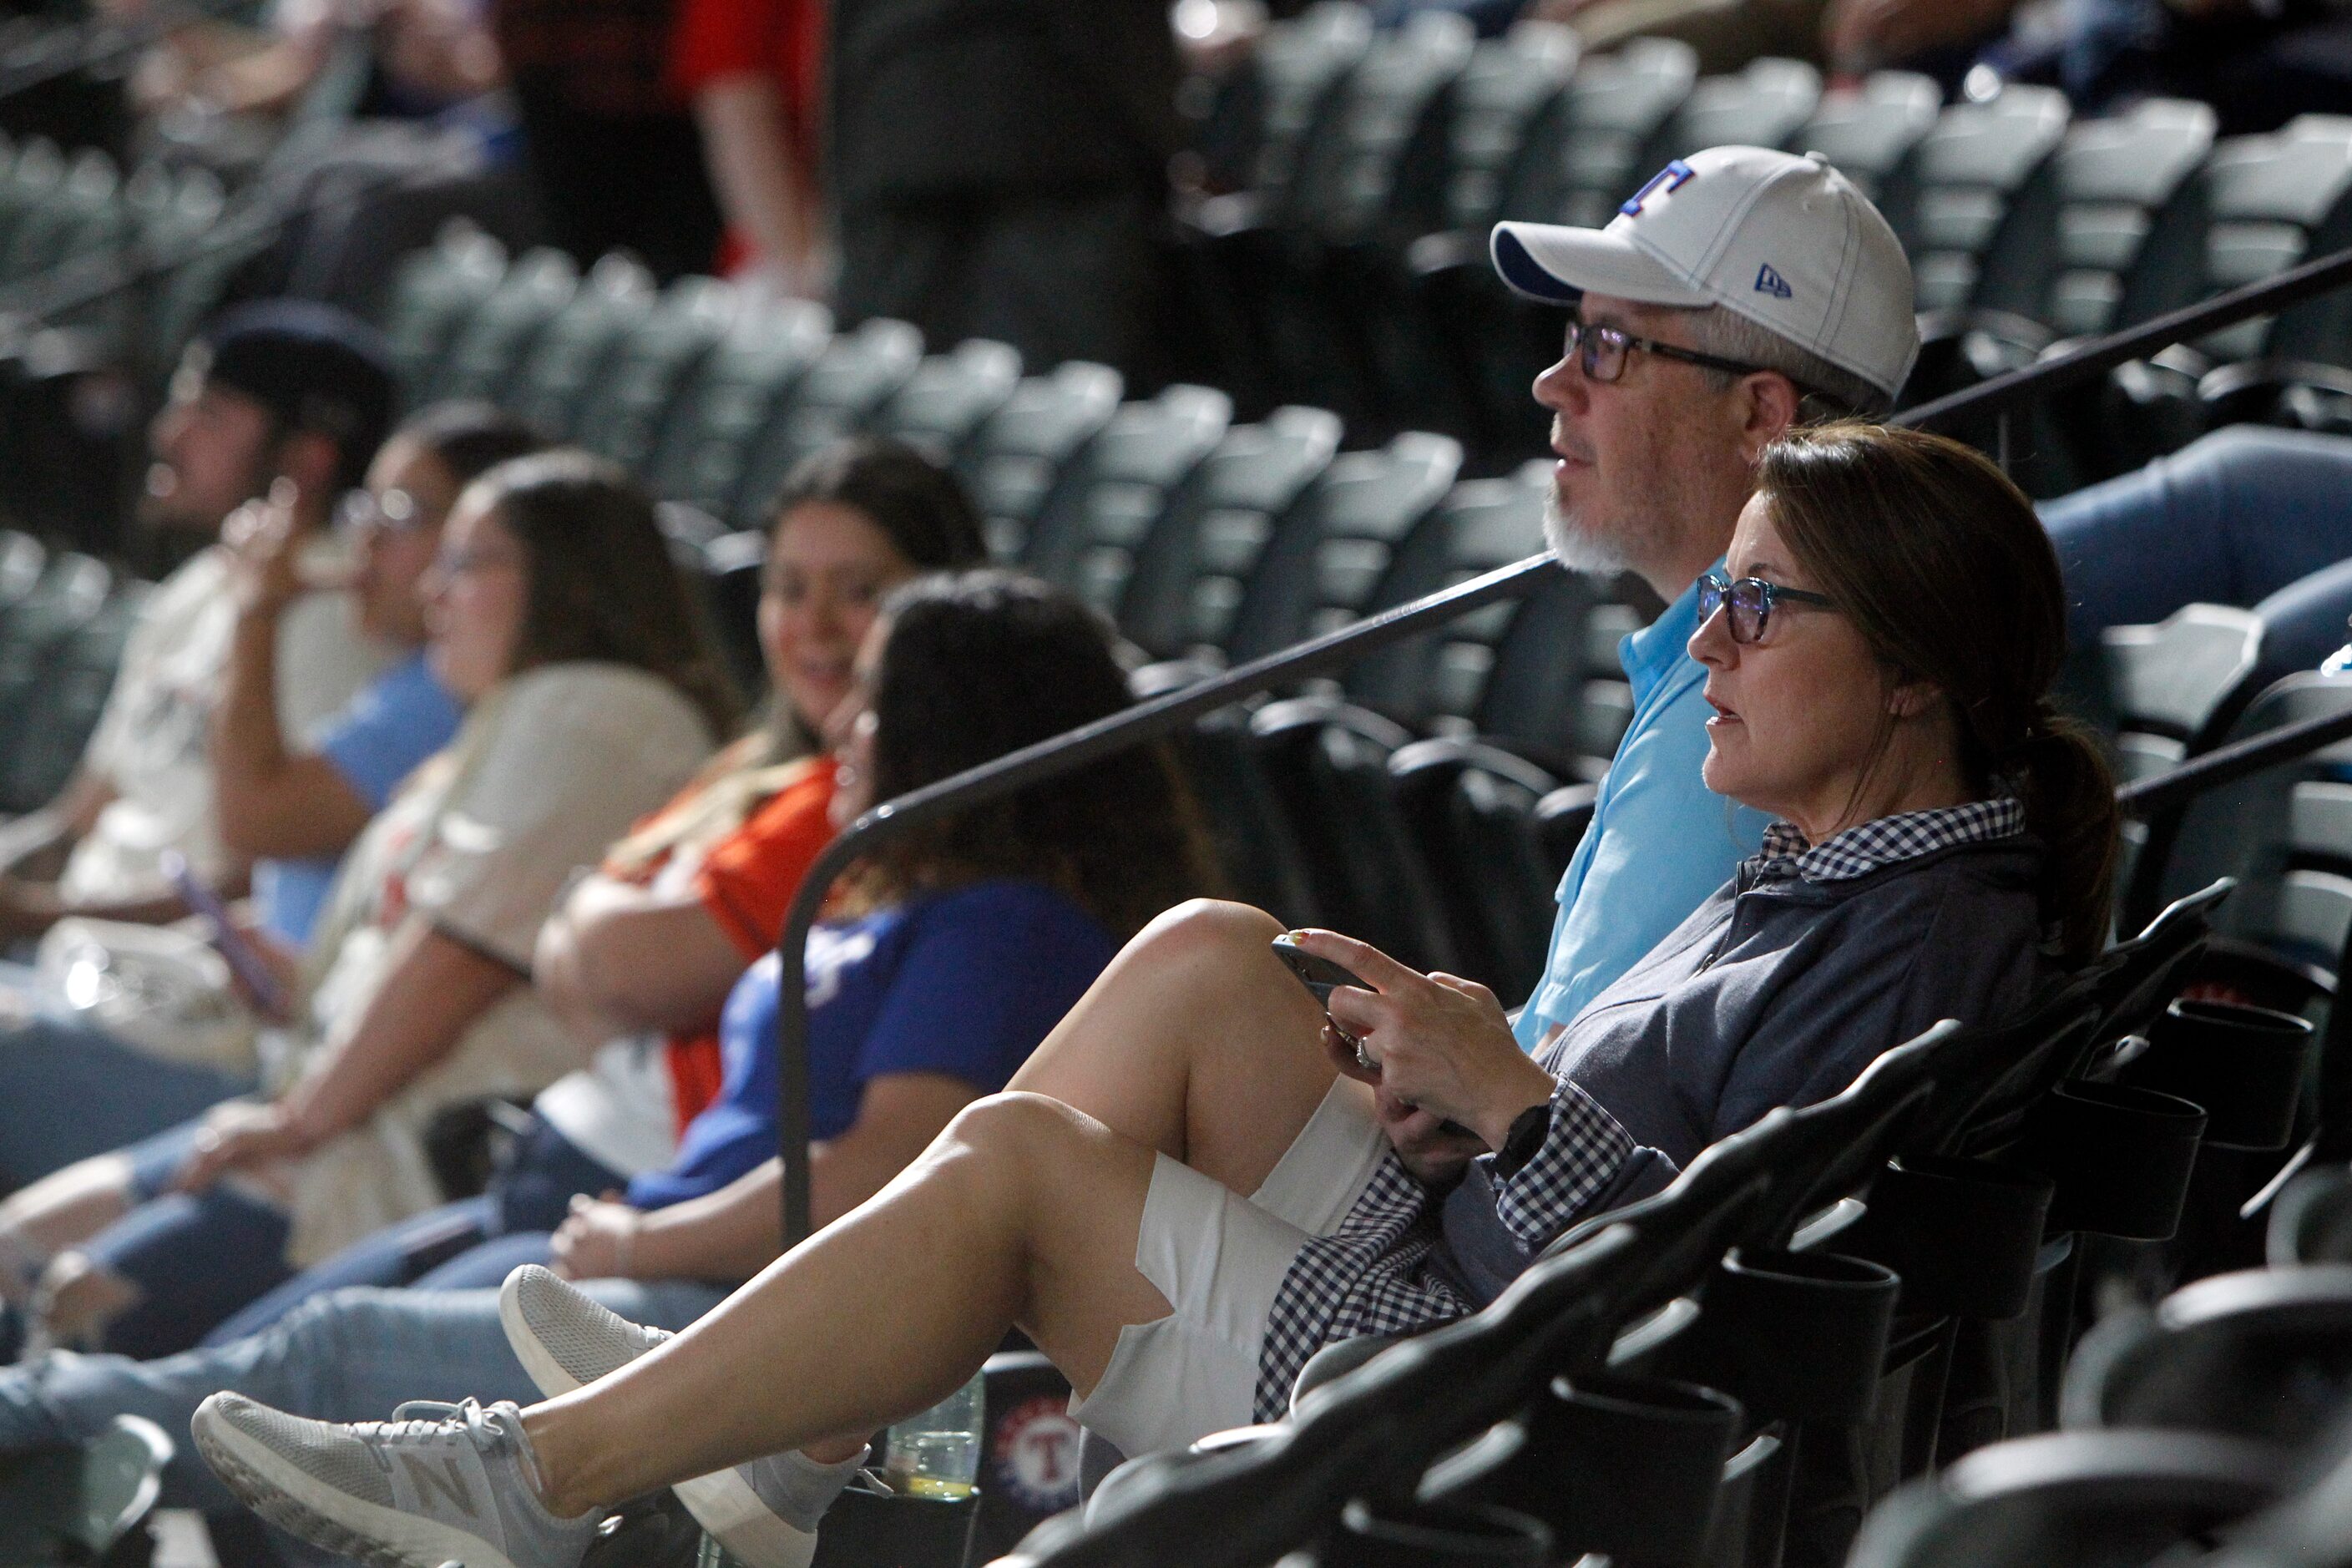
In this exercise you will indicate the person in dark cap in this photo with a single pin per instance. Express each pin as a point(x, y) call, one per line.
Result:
point(281, 399)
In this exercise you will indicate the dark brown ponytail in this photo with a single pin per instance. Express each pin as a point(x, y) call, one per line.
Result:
point(1940, 563)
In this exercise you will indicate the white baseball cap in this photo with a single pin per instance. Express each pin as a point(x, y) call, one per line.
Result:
point(1785, 241)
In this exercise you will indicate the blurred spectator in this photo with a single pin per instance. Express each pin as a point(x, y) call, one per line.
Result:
point(1002, 172)
point(1728, 34)
point(752, 71)
point(613, 152)
point(412, 59)
point(278, 391)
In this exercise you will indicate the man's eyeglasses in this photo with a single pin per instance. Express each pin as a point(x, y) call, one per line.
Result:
point(1750, 602)
point(395, 511)
point(1601, 351)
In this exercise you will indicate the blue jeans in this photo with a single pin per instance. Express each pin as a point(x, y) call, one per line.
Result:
point(529, 1196)
point(349, 1355)
point(68, 1093)
point(2248, 516)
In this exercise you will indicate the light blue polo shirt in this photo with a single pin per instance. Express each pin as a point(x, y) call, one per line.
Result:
point(400, 719)
point(1660, 841)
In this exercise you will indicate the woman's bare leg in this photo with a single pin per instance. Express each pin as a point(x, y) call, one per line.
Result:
point(1024, 1211)
point(1195, 1042)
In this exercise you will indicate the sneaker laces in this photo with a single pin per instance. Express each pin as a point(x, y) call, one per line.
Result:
point(433, 1420)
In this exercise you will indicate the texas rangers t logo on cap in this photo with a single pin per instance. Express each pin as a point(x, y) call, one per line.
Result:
point(1670, 178)
point(1770, 282)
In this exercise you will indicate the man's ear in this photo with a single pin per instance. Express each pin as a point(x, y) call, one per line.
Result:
point(310, 460)
point(1772, 406)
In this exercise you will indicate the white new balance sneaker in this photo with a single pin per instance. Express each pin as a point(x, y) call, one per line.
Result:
point(436, 1484)
point(765, 1512)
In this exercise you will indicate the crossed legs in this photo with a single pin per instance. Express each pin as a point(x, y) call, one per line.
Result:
point(1195, 1043)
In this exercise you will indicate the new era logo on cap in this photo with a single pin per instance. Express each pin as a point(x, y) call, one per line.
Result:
point(1787, 242)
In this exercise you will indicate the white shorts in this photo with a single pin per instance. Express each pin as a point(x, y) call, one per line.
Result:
point(1219, 1259)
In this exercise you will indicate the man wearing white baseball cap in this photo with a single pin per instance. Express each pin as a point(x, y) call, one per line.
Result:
point(1739, 292)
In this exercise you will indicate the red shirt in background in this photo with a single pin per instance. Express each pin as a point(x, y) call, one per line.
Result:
point(783, 40)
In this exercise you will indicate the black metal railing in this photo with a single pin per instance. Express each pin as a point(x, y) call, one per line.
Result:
point(1151, 721)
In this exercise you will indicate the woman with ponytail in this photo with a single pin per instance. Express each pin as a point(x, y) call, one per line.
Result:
point(1198, 1179)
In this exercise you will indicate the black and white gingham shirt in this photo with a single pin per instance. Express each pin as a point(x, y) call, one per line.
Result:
point(1373, 1275)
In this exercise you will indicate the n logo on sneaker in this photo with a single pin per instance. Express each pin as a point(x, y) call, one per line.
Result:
point(444, 1477)
point(1770, 282)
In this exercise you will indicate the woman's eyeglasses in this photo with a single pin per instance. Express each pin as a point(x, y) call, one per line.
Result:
point(393, 510)
point(1748, 602)
point(1601, 351)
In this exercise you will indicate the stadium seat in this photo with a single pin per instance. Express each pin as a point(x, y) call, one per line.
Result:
point(949, 395)
point(1318, 567)
point(1326, 764)
point(2285, 834)
point(2131, 219)
point(1294, 77)
point(851, 378)
point(2262, 1354)
point(629, 407)
point(1761, 106)
point(1576, 167)
point(1477, 813)
point(729, 577)
point(1871, 132)
point(54, 720)
point(1439, 680)
point(1618, 105)
point(1506, 105)
point(433, 296)
point(1218, 521)
point(2084, 1498)
point(80, 212)
point(567, 363)
point(2276, 201)
point(1313, 268)
point(81, 1503)
point(1013, 460)
point(1980, 223)
point(36, 632)
point(1115, 492)
point(1509, 105)
point(732, 396)
point(485, 357)
point(2176, 684)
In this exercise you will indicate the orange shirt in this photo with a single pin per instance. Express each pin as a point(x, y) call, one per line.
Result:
point(746, 882)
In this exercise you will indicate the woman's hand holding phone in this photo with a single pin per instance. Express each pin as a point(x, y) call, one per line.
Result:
point(1436, 1044)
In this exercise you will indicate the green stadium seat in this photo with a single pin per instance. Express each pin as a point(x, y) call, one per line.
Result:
point(1225, 511)
point(486, 357)
point(1871, 132)
point(1012, 462)
point(1982, 218)
point(1104, 508)
point(732, 396)
point(630, 406)
point(1763, 105)
point(1318, 568)
point(61, 710)
point(2275, 201)
point(838, 394)
point(77, 1504)
point(567, 361)
point(950, 397)
point(434, 297)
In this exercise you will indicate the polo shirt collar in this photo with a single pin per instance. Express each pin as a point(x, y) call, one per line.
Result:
point(1658, 649)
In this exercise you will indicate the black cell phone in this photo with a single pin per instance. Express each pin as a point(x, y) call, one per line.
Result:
point(1318, 974)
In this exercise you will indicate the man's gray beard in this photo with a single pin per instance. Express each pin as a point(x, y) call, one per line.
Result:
point(1577, 550)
